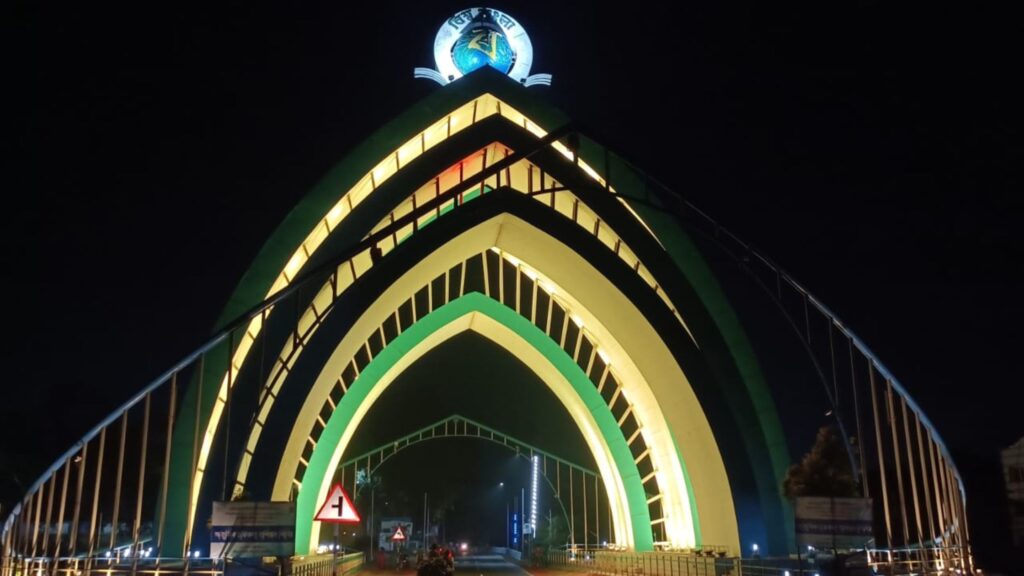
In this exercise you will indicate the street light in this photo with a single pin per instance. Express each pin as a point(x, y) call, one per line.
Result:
point(501, 487)
point(533, 497)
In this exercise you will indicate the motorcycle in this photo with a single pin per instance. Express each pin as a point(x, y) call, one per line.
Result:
point(439, 563)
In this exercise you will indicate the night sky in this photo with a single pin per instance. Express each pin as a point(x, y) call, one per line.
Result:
point(873, 149)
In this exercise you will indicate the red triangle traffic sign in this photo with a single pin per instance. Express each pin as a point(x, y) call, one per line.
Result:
point(399, 535)
point(338, 508)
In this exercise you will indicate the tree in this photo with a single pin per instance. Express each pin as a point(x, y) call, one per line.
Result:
point(552, 531)
point(824, 471)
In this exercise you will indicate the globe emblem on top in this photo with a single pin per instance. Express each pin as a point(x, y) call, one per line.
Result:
point(477, 38)
point(480, 46)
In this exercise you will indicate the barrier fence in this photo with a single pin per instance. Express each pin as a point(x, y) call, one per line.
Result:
point(327, 565)
point(642, 564)
point(316, 565)
point(714, 562)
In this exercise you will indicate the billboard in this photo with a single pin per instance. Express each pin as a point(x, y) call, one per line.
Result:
point(840, 523)
point(252, 529)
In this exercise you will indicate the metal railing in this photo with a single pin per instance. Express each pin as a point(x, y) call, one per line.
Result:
point(716, 563)
point(616, 563)
point(124, 566)
point(327, 564)
point(931, 560)
point(895, 451)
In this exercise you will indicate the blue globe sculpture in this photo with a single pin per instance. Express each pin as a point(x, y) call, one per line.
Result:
point(482, 46)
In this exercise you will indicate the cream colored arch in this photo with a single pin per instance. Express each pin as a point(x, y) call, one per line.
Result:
point(675, 430)
point(519, 176)
point(543, 368)
point(477, 109)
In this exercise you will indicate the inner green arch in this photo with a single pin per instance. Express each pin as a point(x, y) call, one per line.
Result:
point(317, 471)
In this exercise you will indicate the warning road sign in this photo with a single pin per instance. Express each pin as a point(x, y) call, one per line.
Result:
point(399, 534)
point(338, 508)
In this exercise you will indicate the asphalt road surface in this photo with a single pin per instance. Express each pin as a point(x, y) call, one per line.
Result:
point(486, 565)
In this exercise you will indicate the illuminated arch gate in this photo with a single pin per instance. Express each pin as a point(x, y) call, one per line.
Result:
point(464, 214)
point(470, 211)
point(549, 466)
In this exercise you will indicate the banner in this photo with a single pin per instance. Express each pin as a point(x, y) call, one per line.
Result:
point(252, 529)
point(827, 523)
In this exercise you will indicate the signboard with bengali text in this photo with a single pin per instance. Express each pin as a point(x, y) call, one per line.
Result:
point(252, 529)
point(827, 523)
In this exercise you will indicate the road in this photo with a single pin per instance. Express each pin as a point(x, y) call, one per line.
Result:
point(486, 565)
point(472, 565)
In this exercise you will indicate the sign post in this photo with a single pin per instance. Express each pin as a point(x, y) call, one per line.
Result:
point(398, 537)
point(337, 509)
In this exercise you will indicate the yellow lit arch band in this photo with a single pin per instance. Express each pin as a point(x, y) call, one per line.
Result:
point(467, 114)
point(656, 387)
point(493, 320)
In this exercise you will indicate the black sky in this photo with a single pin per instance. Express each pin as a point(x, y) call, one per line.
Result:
point(872, 148)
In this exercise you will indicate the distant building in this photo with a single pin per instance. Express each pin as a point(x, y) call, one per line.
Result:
point(1013, 475)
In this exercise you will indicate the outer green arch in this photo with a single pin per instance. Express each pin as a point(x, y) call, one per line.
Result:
point(473, 302)
point(275, 252)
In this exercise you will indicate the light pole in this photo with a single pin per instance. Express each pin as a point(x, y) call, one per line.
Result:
point(373, 534)
point(334, 549)
point(501, 487)
point(535, 465)
point(426, 520)
point(522, 518)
